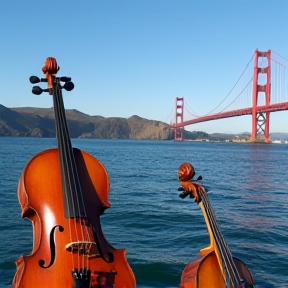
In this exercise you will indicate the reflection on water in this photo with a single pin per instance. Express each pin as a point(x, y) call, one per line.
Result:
point(260, 163)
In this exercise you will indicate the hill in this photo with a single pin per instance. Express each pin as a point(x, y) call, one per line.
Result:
point(39, 122)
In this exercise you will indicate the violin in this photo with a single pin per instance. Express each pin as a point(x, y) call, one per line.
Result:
point(216, 267)
point(63, 191)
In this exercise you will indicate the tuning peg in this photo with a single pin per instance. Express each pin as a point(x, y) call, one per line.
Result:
point(65, 79)
point(184, 194)
point(34, 79)
point(38, 90)
point(68, 86)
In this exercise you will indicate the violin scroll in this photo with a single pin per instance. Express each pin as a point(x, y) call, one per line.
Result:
point(185, 174)
point(50, 70)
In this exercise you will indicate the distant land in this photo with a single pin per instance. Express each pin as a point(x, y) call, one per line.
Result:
point(39, 122)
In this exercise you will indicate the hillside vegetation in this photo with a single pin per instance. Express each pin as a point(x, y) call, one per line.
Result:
point(40, 122)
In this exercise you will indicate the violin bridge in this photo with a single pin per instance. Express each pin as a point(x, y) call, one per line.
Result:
point(83, 247)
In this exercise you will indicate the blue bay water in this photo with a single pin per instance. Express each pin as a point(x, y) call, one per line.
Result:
point(248, 189)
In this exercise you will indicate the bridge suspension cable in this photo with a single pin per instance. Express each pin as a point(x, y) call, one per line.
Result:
point(279, 55)
point(279, 87)
point(237, 96)
point(232, 89)
point(190, 110)
point(170, 115)
point(278, 63)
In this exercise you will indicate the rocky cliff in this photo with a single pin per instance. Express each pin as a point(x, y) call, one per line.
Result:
point(39, 122)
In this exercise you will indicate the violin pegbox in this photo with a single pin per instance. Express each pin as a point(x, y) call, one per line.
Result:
point(50, 70)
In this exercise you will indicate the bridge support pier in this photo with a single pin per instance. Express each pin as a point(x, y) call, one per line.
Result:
point(260, 121)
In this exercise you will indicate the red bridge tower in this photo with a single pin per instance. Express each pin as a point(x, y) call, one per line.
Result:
point(179, 131)
point(260, 121)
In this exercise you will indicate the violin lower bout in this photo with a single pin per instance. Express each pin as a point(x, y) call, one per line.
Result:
point(205, 272)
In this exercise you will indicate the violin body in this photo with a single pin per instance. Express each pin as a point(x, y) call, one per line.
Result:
point(41, 179)
point(206, 272)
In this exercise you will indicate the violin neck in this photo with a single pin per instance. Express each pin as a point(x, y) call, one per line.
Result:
point(72, 195)
point(223, 254)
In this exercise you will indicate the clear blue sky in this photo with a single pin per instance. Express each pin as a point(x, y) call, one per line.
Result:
point(133, 57)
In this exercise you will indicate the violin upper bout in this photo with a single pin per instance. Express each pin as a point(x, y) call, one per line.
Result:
point(94, 179)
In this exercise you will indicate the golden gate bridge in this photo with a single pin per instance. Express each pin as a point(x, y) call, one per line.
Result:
point(266, 91)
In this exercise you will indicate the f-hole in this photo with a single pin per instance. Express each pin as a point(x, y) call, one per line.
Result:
point(52, 248)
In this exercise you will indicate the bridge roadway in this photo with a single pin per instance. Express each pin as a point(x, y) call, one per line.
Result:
point(233, 113)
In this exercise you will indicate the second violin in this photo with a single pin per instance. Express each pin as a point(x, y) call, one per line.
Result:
point(216, 268)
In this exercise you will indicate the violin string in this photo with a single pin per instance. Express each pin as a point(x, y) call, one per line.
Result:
point(229, 278)
point(61, 141)
point(73, 186)
point(213, 229)
point(76, 185)
point(68, 159)
point(228, 253)
point(221, 243)
point(232, 270)
point(61, 148)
